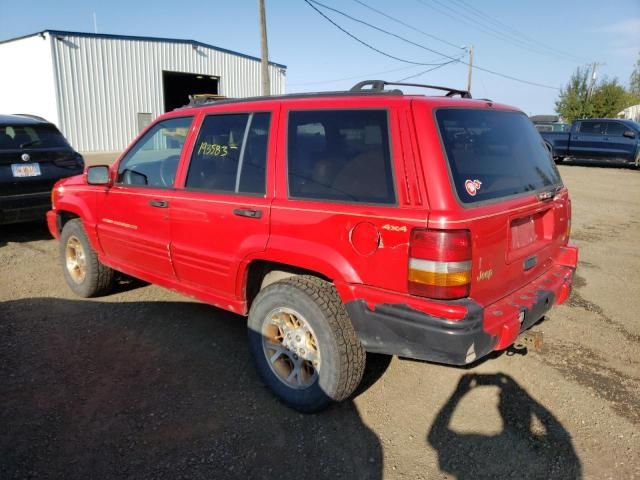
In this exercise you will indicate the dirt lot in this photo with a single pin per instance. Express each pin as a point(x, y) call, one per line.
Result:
point(147, 384)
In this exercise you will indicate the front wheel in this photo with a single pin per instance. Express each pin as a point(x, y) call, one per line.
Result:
point(84, 273)
point(303, 343)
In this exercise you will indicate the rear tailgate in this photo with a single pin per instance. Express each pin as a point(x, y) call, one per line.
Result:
point(513, 247)
point(27, 170)
point(507, 192)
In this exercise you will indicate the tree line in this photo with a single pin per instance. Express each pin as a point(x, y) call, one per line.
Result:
point(584, 98)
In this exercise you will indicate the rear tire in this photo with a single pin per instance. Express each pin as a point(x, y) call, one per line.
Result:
point(83, 272)
point(299, 324)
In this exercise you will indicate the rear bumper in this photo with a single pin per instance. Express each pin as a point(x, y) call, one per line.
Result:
point(400, 330)
point(24, 208)
point(397, 329)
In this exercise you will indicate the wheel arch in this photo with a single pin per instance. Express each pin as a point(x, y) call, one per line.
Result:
point(63, 217)
point(69, 211)
point(259, 273)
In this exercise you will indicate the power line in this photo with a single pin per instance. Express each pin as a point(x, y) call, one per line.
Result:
point(461, 17)
point(308, 2)
point(479, 13)
point(357, 20)
point(515, 79)
point(355, 77)
point(426, 71)
point(492, 31)
point(508, 27)
point(488, 29)
point(477, 67)
point(415, 29)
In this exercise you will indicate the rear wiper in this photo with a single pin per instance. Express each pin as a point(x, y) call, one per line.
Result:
point(549, 194)
point(29, 144)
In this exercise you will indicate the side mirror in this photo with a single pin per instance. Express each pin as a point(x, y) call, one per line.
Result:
point(629, 134)
point(98, 175)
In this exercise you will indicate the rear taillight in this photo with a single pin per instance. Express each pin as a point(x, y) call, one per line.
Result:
point(440, 263)
point(74, 161)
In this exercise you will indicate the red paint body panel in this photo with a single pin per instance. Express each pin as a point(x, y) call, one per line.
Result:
point(501, 318)
point(199, 247)
point(132, 232)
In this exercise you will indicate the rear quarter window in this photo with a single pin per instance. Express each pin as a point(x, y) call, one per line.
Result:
point(616, 129)
point(494, 154)
point(340, 155)
point(593, 128)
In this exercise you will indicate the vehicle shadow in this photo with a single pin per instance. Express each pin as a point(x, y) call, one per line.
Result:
point(532, 443)
point(102, 389)
point(598, 164)
point(125, 283)
point(24, 232)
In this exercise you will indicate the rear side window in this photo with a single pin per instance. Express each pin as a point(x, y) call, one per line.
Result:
point(494, 154)
point(340, 155)
point(230, 154)
point(616, 129)
point(31, 136)
point(593, 128)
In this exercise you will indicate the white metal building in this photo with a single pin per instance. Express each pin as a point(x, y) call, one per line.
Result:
point(101, 90)
point(631, 113)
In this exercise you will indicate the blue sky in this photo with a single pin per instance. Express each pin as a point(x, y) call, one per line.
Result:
point(316, 51)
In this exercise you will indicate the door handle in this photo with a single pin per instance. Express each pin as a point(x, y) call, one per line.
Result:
point(159, 203)
point(247, 212)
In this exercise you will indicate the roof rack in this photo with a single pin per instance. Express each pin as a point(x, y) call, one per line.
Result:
point(378, 86)
point(340, 93)
point(199, 99)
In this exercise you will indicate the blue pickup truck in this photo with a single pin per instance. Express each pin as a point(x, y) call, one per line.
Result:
point(601, 139)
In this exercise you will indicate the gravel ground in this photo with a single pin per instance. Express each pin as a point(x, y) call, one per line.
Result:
point(147, 384)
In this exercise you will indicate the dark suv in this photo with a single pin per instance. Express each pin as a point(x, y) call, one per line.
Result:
point(33, 156)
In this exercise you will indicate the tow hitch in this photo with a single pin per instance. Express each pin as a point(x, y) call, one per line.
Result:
point(529, 340)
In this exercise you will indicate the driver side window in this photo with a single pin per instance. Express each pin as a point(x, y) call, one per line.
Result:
point(153, 160)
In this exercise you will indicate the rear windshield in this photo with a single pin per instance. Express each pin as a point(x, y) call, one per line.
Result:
point(30, 136)
point(494, 154)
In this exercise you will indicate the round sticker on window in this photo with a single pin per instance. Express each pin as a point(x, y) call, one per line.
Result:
point(472, 186)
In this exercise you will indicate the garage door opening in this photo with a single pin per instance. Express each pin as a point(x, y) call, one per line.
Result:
point(178, 86)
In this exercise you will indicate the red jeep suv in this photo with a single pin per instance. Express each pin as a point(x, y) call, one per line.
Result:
point(433, 228)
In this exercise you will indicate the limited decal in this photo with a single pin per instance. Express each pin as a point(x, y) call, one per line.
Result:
point(472, 186)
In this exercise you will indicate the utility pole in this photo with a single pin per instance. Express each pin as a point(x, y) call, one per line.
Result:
point(594, 69)
point(264, 50)
point(470, 68)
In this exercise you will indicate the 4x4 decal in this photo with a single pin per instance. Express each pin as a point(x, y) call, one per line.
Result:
point(395, 228)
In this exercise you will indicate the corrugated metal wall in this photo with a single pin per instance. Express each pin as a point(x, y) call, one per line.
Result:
point(103, 83)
